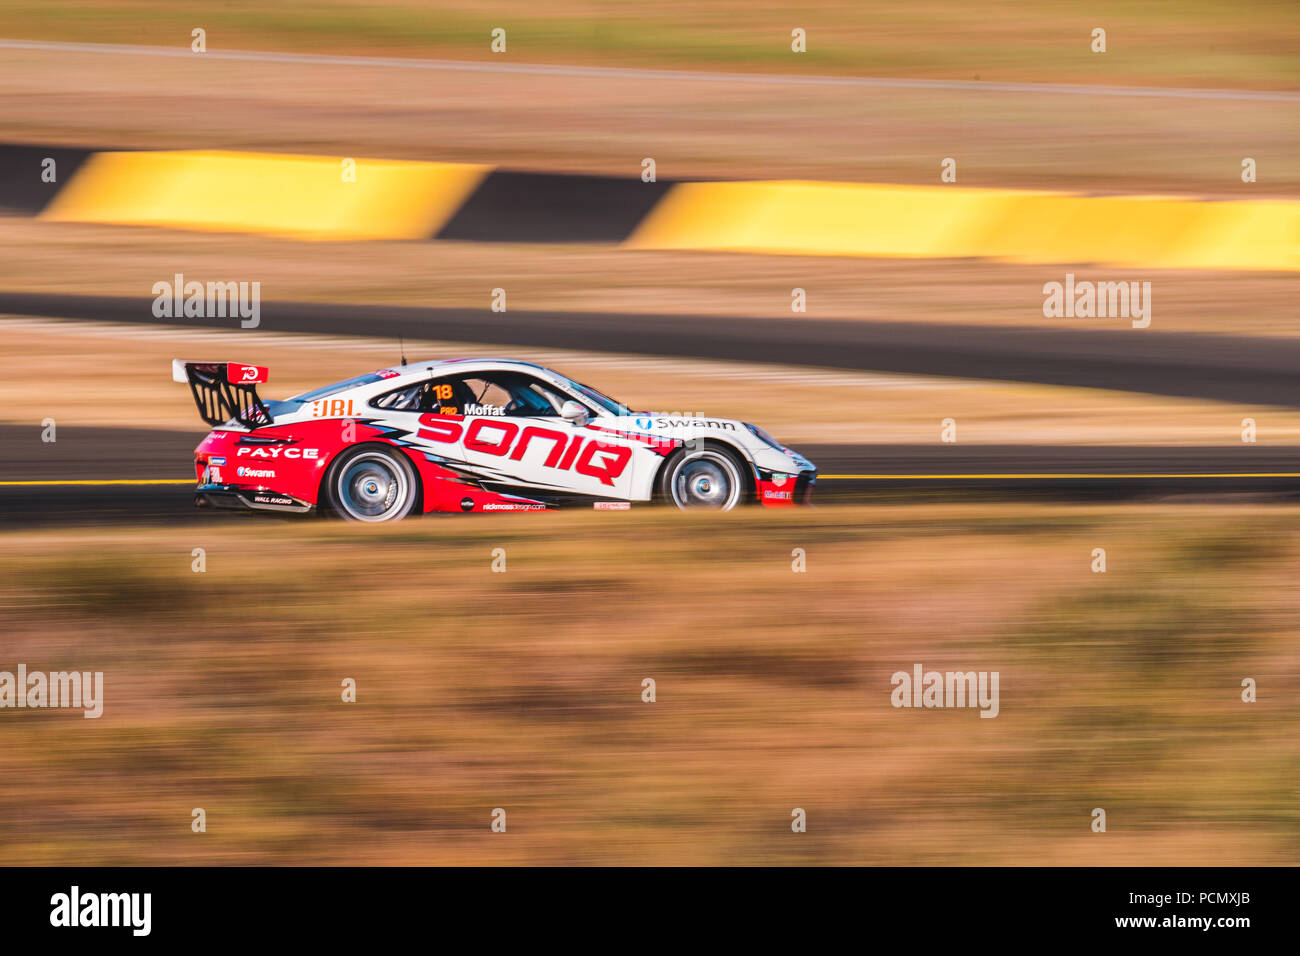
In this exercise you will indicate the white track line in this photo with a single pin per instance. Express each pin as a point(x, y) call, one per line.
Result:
point(611, 72)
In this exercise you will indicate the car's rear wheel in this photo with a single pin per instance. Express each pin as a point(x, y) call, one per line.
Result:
point(372, 483)
point(708, 478)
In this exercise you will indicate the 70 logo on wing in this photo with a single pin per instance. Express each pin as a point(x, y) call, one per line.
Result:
point(565, 452)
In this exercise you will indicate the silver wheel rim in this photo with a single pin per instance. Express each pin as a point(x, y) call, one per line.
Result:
point(373, 488)
point(706, 480)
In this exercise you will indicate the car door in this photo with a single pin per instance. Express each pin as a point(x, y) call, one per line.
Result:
point(515, 433)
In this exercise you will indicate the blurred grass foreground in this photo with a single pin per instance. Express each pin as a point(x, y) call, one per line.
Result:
point(523, 689)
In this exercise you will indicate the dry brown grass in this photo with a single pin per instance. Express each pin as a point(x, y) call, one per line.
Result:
point(1190, 42)
point(522, 690)
point(692, 128)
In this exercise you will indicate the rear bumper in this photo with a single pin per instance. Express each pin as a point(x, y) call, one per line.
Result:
point(248, 499)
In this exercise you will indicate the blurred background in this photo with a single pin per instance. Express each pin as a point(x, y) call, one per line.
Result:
point(522, 690)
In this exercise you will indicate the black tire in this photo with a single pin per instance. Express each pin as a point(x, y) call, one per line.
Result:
point(372, 483)
point(707, 476)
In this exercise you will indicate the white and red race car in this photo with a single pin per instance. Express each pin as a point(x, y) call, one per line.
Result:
point(469, 435)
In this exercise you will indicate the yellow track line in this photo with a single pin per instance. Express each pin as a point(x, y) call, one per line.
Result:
point(1262, 474)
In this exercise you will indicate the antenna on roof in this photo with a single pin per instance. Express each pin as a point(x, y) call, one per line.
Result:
point(401, 347)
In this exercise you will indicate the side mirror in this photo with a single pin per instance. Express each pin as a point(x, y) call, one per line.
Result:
point(574, 412)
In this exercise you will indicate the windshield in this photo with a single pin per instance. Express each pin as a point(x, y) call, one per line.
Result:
point(610, 405)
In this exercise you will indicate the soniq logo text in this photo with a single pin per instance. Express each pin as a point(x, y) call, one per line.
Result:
point(565, 453)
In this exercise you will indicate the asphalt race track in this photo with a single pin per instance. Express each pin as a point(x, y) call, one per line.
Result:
point(1254, 371)
point(104, 476)
point(100, 475)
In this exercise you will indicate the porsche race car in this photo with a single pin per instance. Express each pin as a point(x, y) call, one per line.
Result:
point(464, 435)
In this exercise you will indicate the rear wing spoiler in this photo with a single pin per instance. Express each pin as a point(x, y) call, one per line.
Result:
point(225, 390)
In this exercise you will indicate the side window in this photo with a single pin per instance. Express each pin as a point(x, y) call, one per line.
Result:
point(450, 395)
point(528, 396)
point(553, 399)
point(447, 396)
point(488, 397)
point(511, 394)
point(405, 399)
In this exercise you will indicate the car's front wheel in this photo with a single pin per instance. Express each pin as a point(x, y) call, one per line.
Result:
point(372, 483)
point(709, 478)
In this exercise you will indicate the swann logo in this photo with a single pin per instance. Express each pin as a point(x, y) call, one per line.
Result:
point(952, 689)
point(192, 300)
point(62, 689)
point(1102, 300)
point(134, 910)
point(693, 423)
point(254, 472)
point(681, 420)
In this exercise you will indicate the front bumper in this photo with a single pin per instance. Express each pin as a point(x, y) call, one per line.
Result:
point(783, 490)
point(235, 498)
